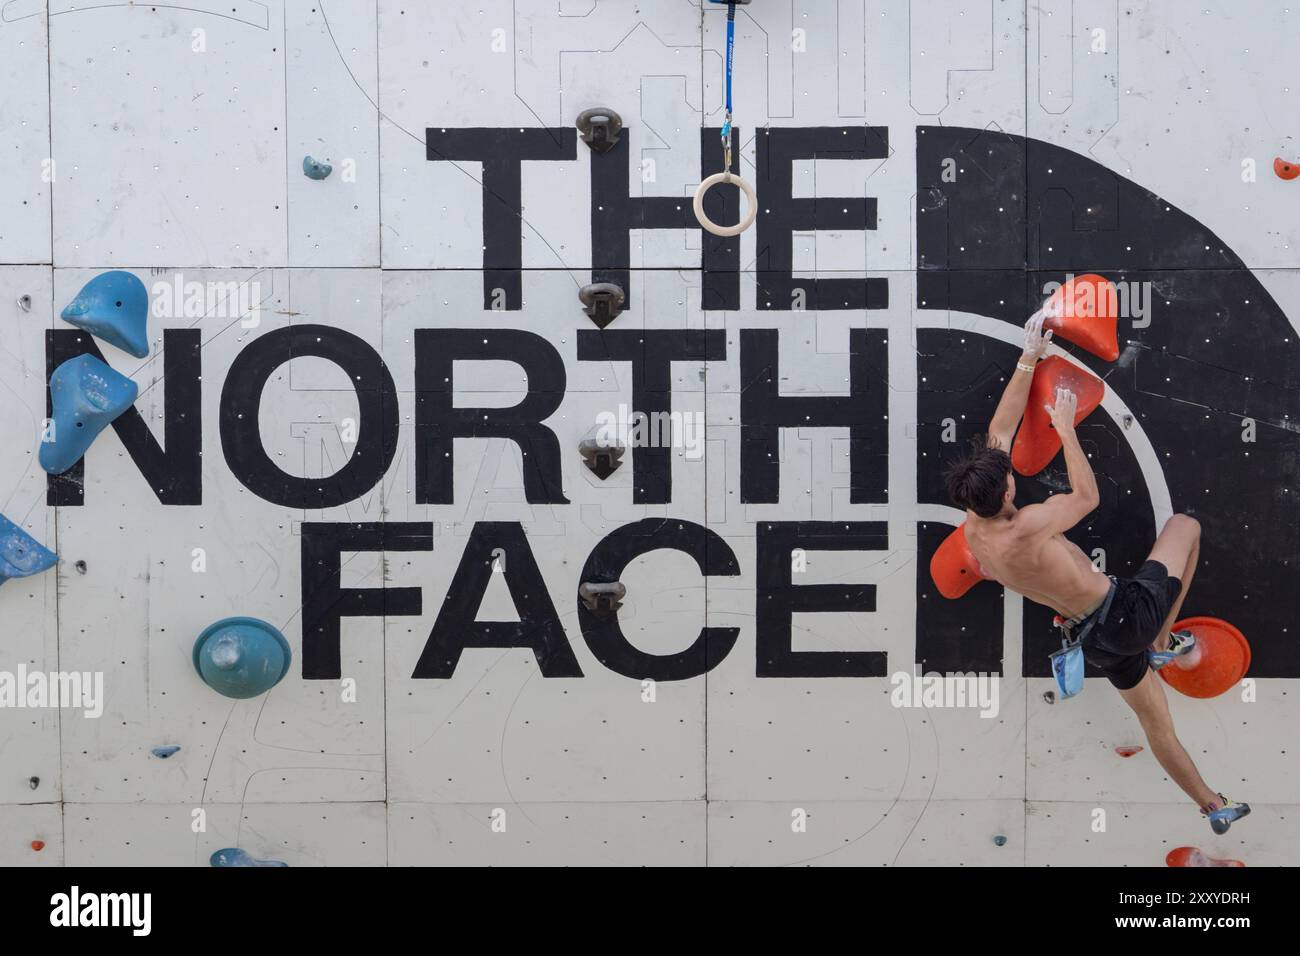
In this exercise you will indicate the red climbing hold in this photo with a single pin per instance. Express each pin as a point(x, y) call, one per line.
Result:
point(38, 845)
point(1191, 856)
point(1285, 170)
point(1128, 751)
point(1085, 311)
point(1037, 443)
point(1219, 660)
point(953, 568)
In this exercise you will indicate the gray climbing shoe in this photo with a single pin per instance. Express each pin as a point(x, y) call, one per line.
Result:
point(1181, 643)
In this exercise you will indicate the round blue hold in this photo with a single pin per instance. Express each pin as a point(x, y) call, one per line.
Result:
point(241, 657)
point(1000, 840)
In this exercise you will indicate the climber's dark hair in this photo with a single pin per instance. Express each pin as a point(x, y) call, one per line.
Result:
point(978, 480)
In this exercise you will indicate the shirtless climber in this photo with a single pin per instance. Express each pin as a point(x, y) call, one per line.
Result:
point(1125, 622)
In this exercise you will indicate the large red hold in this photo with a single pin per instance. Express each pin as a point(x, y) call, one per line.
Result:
point(953, 568)
point(1037, 443)
point(1085, 311)
point(1191, 856)
point(1219, 660)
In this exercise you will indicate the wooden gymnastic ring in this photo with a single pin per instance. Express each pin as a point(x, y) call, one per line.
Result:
point(750, 199)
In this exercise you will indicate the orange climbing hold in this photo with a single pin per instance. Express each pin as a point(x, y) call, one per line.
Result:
point(1085, 311)
point(1037, 443)
point(1128, 750)
point(1219, 660)
point(953, 568)
point(1191, 856)
point(1285, 170)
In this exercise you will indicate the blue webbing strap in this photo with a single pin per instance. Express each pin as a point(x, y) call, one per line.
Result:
point(731, 46)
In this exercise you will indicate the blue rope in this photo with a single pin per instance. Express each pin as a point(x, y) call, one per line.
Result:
point(731, 46)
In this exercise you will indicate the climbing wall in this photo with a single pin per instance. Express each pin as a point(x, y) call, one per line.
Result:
point(365, 230)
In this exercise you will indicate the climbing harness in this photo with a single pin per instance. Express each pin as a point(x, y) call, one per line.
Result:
point(727, 176)
point(1067, 664)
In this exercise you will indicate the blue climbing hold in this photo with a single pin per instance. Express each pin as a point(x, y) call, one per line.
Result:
point(87, 396)
point(1000, 840)
point(113, 306)
point(241, 657)
point(315, 169)
point(233, 856)
point(162, 753)
point(20, 554)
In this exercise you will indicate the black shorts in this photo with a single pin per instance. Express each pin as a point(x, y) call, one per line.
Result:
point(1118, 645)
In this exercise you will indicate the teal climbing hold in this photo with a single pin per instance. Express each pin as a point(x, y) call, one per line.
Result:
point(113, 306)
point(87, 397)
point(315, 169)
point(233, 856)
point(20, 554)
point(241, 657)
